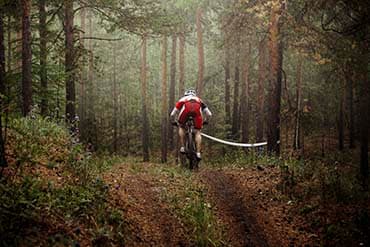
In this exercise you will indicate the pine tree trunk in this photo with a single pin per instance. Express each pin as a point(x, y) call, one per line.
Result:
point(199, 86)
point(236, 115)
point(341, 122)
point(261, 91)
point(26, 58)
point(297, 127)
point(172, 89)
point(349, 80)
point(69, 61)
point(145, 131)
point(115, 100)
point(365, 112)
point(181, 64)
point(43, 58)
point(276, 62)
point(164, 121)
point(9, 55)
point(3, 161)
point(90, 84)
point(227, 81)
point(245, 106)
point(82, 100)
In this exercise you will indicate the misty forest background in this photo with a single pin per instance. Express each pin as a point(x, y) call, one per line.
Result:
point(85, 84)
point(273, 70)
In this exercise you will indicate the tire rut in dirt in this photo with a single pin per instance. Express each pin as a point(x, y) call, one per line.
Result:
point(237, 215)
point(150, 222)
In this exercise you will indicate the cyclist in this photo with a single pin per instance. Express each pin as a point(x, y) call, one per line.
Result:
point(190, 106)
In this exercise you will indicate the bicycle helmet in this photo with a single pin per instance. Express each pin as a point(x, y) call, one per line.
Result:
point(190, 92)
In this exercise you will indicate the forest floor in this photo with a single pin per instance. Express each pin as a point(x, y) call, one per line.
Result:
point(245, 202)
point(56, 194)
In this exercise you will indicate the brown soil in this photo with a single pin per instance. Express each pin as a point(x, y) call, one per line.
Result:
point(150, 221)
point(237, 216)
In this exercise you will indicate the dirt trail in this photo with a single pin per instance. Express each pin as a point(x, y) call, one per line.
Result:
point(237, 214)
point(150, 222)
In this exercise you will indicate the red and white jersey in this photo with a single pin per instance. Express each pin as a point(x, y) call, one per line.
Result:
point(183, 103)
point(191, 106)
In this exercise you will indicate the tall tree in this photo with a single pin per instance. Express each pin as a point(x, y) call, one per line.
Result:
point(244, 102)
point(69, 61)
point(227, 79)
point(236, 115)
point(349, 83)
point(341, 119)
point(297, 127)
point(276, 62)
point(26, 58)
point(260, 117)
point(199, 86)
point(364, 107)
point(115, 100)
point(164, 121)
point(181, 63)
point(172, 88)
point(82, 98)
point(43, 57)
point(145, 130)
point(3, 161)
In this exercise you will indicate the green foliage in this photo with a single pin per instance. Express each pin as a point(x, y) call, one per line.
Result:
point(190, 203)
point(38, 140)
point(199, 215)
point(30, 206)
point(31, 203)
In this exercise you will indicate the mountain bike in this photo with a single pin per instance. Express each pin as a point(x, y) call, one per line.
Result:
point(189, 158)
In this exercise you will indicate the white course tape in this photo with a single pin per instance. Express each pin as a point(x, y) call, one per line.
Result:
point(246, 145)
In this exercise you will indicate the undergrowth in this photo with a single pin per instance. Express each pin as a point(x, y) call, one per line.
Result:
point(189, 201)
point(64, 202)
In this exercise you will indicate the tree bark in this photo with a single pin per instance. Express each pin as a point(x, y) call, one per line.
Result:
point(199, 86)
point(145, 131)
point(82, 100)
point(115, 100)
point(236, 115)
point(90, 84)
point(365, 112)
point(164, 101)
point(297, 127)
point(172, 88)
point(182, 64)
point(43, 57)
point(341, 121)
point(261, 91)
point(26, 58)
point(69, 61)
point(276, 62)
point(349, 84)
point(3, 161)
point(245, 106)
point(227, 80)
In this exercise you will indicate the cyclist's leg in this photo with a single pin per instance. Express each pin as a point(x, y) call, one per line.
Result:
point(198, 140)
point(198, 124)
point(182, 139)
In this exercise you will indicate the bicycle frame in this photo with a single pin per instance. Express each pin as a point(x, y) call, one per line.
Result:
point(190, 146)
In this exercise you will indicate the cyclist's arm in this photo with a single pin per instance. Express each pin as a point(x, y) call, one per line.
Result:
point(174, 112)
point(206, 110)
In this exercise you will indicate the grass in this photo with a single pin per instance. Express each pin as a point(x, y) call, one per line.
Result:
point(188, 201)
point(64, 206)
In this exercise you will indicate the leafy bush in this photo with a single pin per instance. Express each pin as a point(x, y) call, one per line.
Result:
point(38, 140)
point(31, 206)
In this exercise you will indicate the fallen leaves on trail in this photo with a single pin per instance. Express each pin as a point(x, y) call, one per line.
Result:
point(150, 221)
point(252, 208)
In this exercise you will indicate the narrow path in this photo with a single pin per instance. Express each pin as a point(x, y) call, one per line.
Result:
point(233, 210)
point(150, 222)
